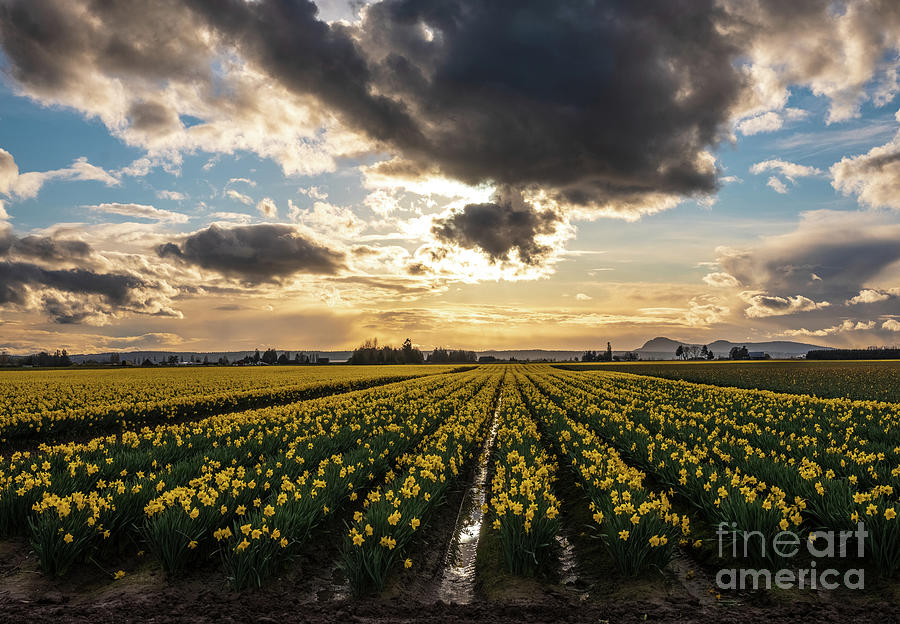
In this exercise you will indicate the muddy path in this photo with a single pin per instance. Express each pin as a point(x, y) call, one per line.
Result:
point(190, 605)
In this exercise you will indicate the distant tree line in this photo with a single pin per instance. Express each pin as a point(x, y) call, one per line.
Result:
point(60, 358)
point(877, 353)
point(370, 352)
point(270, 357)
point(607, 356)
point(452, 356)
point(695, 352)
point(595, 356)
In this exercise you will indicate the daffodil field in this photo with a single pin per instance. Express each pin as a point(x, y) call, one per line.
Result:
point(37, 404)
point(242, 471)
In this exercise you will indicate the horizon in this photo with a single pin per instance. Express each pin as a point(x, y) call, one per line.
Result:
point(425, 348)
point(737, 181)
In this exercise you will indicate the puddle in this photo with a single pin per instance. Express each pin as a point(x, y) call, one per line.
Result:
point(567, 571)
point(457, 580)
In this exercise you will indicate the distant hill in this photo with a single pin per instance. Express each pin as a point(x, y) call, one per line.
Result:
point(662, 348)
point(532, 354)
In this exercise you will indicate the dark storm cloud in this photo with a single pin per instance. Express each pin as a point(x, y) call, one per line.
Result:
point(610, 103)
point(15, 275)
point(35, 276)
point(43, 248)
point(308, 56)
point(50, 249)
point(498, 227)
point(61, 293)
point(823, 266)
point(595, 102)
point(47, 41)
point(254, 253)
point(835, 269)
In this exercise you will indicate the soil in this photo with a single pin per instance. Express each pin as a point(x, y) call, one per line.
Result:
point(190, 604)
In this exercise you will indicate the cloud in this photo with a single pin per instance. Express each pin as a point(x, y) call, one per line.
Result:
point(28, 185)
point(328, 219)
point(9, 172)
point(769, 121)
point(583, 297)
point(238, 196)
point(172, 195)
point(254, 253)
point(846, 326)
point(766, 122)
point(832, 260)
point(627, 130)
point(631, 122)
point(873, 177)
point(891, 325)
point(704, 311)
point(140, 211)
point(777, 185)
point(246, 181)
point(44, 248)
point(720, 280)
point(266, 206)
point(790, 171)
point(498, 228)
point(78, 295)
point(567, 128)
point(762, 305)
point(313, 192)
point(240, 217)
point(835, 49)
point(141, 69)
point(831, 256)
point(869, 295)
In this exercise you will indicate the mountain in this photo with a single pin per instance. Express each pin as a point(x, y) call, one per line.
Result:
point(662, 348)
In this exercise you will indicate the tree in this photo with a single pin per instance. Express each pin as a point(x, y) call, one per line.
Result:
point(270, 356)
point(440, 355)
point(709, 354)
point(370, 353)
point(739, 353)
point(679, 352)
point(256, 357)
point(704, 353)
point(608, 352)
point(283, 359)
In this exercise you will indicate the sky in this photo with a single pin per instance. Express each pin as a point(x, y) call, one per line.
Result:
point(231, 174)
